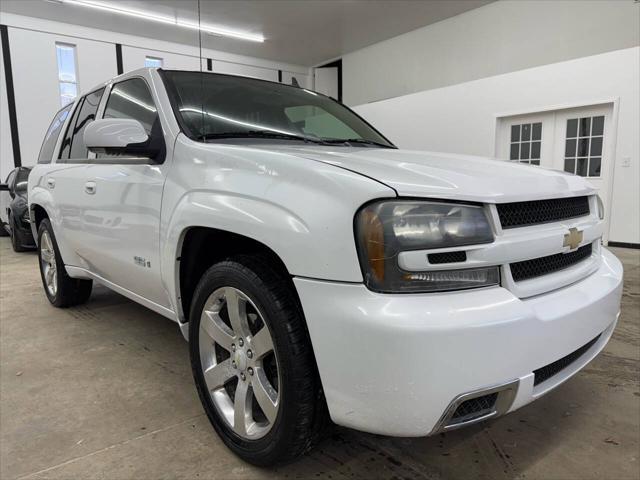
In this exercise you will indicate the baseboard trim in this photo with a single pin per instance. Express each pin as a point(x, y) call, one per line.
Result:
point(624, 245)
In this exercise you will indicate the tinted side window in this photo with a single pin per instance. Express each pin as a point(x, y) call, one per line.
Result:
point(132, 99)
point(65, 148)
point(50, 139)
point(87, 114)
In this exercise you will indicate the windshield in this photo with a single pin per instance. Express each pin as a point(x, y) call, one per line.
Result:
point(237, 107)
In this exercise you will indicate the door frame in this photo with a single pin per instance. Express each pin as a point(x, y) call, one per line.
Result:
point(611, 149)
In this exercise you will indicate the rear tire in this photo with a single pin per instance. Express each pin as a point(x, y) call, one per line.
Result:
point(3, 229)
point(267, 313)
point(15, 236)
point(61, 290)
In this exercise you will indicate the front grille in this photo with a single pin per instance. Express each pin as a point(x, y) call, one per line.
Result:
point(552, 369)
point(474, 408)
point(447, 257)
point(520, 214)
point(552, 263)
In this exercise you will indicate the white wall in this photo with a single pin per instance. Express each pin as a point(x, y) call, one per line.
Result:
point(35, 76)
point(35, 81)
point(462, 118)
point(500, 37)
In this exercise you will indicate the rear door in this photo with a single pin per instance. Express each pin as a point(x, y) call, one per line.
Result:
point(65, 182)
point(121, 239)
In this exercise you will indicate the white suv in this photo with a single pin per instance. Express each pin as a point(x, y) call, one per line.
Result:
point(315, 268)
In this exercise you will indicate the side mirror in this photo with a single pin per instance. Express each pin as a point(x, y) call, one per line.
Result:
point(4, 187)
point(119, 136)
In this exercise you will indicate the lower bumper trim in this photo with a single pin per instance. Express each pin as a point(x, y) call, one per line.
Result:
point(490, 402)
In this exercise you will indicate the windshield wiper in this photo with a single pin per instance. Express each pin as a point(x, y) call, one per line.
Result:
point(360, 141)
point(260, 134)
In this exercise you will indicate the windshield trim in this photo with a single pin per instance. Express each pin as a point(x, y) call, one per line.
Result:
point(172, 94)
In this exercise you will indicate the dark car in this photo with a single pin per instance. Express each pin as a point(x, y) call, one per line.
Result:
point(14, 211)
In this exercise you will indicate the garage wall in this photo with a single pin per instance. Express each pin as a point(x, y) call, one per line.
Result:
point(497, 38)
point(462, 118)
point(35, 75)
point(35, 80)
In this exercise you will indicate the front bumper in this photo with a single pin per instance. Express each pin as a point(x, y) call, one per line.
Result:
point(393, 364)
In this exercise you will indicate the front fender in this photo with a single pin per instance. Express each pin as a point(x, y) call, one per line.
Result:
point(301, 209)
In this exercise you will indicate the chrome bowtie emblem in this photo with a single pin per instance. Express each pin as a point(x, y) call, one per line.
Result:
point(573, 239)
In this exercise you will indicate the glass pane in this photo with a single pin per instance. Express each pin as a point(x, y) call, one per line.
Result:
point(594, 167)
point(598, 125)
point(581, 167)
point(515, 133)
point(66, 62)
point(585, 127)
point(153, 62)
point(87, 115)
point(50, 139)
point(570, 165)
point(526, 131)
point(596, 147)
point(68, 93)
point(132, 99)
point(570, 148)
point(524, 150)
point(246, 107)
point(572, 128)
point(583, 147)
point(535, 162)
point(537, 131)
point(515, 151)
point(535, 150)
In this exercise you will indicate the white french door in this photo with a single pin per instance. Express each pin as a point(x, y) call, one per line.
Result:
point(576, 140)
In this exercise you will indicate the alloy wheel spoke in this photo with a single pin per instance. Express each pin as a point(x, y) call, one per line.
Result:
point(47, 256)
point(217, 375)
point(237, 309)
point(261, 343)
point(241, 408)
point(266, 395)
point(215, 328)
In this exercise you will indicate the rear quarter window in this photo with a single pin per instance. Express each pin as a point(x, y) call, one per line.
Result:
point(53, 132)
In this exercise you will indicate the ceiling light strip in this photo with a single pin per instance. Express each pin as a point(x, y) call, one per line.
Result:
point(166, 20)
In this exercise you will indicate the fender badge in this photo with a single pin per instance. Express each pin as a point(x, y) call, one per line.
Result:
point(573, 238)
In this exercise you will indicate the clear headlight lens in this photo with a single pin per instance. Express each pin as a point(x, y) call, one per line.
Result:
point(386, 228)
point(600, 208)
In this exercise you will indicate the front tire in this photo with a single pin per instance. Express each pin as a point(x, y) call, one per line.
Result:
point(252, 362)
point(61, 290)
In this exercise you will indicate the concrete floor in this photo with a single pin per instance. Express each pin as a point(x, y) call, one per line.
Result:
point(105, 391)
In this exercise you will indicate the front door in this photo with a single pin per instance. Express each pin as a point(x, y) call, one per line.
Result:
point(123, 197)
point(575, 140)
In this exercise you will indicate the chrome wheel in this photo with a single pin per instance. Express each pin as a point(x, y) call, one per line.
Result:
point(48, 264)
point(238, 362)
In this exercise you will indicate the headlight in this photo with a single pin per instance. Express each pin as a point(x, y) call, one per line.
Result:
point(386, 228)
point(600, 208)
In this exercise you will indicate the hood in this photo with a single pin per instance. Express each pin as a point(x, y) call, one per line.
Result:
point(447, 176)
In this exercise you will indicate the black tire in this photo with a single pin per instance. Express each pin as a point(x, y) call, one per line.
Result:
point(302, 413)
point(16, 241)
point(3, 229)
point(70, 291)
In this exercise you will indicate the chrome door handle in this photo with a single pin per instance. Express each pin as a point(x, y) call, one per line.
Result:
point(90, 188)
point(51, 183)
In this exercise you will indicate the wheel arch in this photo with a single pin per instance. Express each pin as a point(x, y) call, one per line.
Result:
point(200, 247)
